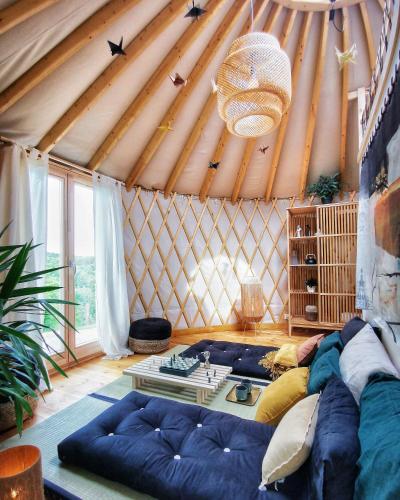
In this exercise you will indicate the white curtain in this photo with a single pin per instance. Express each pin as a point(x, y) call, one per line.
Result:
point(111, 289)
point(23, 200)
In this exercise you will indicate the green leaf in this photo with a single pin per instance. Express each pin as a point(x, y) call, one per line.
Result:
point(20, 292)
point(15, 272)
point(39, 274)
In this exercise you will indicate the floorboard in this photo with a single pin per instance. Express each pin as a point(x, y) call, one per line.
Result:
point(89, 376)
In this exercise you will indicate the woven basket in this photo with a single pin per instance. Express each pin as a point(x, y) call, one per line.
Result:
point(148, 346)
point(7, 413)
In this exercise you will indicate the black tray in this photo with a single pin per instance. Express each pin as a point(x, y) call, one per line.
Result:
point(250, 401)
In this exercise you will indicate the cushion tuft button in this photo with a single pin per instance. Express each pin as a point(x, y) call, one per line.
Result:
point(177, 457)
point(262, 487)
point(157, 429)
point(111, 434)
point(240, 359)
point(199, 425)
point(227, 450)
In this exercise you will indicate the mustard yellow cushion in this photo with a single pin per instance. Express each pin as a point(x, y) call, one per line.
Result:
point(281, 395)
point(287, 355)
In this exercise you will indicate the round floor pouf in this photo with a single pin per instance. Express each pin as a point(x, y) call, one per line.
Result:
point(149, 335)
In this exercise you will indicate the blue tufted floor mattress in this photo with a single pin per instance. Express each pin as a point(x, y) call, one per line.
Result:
point(173, 450)
point(243, 358)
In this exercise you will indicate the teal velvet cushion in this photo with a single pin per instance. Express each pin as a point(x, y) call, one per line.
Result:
point(322, 368)
point(332, 340)
point(379, 434)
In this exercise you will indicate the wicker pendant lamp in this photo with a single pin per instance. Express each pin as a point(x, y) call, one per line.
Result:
point(254, 85)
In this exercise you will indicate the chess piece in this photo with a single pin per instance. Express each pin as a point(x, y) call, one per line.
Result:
point(206, 355)
point(307, 232)
point(299, 230)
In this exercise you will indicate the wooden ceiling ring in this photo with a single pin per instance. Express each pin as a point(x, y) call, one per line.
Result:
point(316, 5)
point(312, 117)
point(21, 11)
point(213, 45)
point(153, 83)
point(118, 65)
point(69, 46)
point(280, 140)
point(205, 114)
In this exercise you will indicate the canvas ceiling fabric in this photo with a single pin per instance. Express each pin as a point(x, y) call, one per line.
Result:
point(33, 115)
point(112, 313)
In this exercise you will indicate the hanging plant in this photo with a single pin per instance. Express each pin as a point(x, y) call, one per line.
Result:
point(326, 187)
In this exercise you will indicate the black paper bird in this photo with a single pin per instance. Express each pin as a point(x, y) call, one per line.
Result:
point(263, 149)
point(116, 49)
point(213, 165)
point(177, 80)
point(195, 11)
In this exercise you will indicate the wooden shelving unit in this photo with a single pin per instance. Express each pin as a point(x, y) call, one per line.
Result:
point(333, 240)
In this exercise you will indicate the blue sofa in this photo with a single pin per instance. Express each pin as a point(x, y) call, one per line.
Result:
point(243, 358)
point(172, 450)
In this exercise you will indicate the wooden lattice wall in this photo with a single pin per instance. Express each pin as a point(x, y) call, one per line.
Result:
point(185, 259)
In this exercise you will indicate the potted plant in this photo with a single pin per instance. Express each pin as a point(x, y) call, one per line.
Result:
point(311, 284)
point(23, 347)
point(326, 187)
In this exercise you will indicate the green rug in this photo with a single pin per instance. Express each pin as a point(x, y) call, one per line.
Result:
point(47, 434)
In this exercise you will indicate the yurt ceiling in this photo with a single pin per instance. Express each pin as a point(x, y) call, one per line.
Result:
point(63, 92)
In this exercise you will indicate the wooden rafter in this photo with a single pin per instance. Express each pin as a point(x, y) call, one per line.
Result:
point(368, 35)
point(152, 84)
point(381, 4)
point(202, 63)
point(204, 116)
point(345, 90)
point(312, 117)
point(280, 140)
point(118, 65)
point(249, 149)
point(74, 42)
point(20, 11)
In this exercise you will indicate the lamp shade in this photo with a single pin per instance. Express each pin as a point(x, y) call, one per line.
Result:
point(254, 85)
point(21, 474)
point(252, 300)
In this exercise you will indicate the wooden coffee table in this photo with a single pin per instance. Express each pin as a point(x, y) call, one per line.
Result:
point(148, 370)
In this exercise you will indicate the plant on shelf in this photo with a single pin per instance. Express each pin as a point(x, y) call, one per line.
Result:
point(326, 187)
point(311, 284)
point(23, 346)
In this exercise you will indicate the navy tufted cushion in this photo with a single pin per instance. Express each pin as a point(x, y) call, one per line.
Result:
point(172, 450)
point(243, 358)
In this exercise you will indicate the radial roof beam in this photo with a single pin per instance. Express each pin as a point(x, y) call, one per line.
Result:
point(118, 65)
point(205, 59)
point(368, 35)
point(345, 90)
point(249, 149)
point(312, 117)
point(153, 83)
point(74, 42)
point(280, 140)
point(205, 114)
point(21, 11)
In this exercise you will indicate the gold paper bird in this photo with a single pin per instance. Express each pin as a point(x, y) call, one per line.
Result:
point(166, 127)
point(348, 56)
point(214, 86)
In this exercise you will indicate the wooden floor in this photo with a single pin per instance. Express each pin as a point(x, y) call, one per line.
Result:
point(89, 376)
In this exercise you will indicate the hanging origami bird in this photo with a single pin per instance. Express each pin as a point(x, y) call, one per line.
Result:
point(348, 56)
point(213, 164)
point(195, 11)
point(178, 80)
point(214, 86)
point(166, 127)
point(117, 49)
point(263, 149)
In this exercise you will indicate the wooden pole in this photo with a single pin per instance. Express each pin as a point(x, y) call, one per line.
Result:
point(20, 11)
point(216, 41)
point(118, 65)
point(312, 117)
point(368, 35)
point(74, 42)
point(345, 90)
point(153, 83)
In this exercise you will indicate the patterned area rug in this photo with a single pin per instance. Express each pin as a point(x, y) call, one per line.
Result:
point(85, 485)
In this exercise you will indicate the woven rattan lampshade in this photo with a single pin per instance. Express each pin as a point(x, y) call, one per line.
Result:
point(254, 85)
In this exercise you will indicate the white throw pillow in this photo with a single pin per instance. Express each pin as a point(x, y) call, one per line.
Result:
point(361, 357)
point(291, 443)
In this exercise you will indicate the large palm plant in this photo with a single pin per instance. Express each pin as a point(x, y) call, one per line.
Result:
point(23, 347)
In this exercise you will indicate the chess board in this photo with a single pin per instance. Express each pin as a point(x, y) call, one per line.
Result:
point(183, 367)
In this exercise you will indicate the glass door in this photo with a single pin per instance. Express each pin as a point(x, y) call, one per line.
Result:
point(70, 243)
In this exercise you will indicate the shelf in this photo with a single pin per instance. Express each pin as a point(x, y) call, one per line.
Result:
point(302, 238)
point(303, 265)
point(338, 294)
point(303, 292)
point(337, 264)
point(300, 321)
point(337, 235)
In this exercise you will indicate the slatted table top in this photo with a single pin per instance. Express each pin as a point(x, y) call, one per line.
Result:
point(201, 378)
